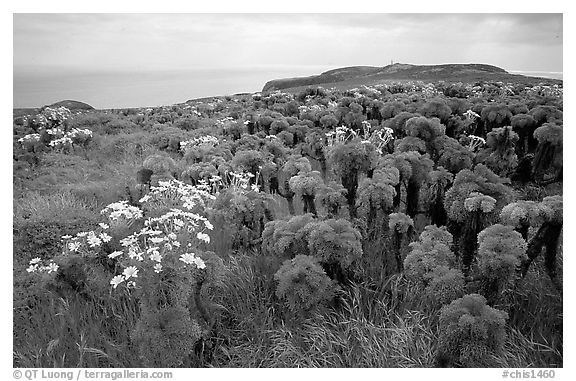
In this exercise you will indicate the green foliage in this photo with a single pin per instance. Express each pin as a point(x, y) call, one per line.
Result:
point(197, 172)
point(443, 285)
point(390, 109)
point(549, 133)
point(160, 164)
point(479, 202)
point(521, 122)
point(470, 331)
point(546, 114)
point(453, 156)
point(548, 156)
point(440, 179)
point(286, 238)
point(398, 123)
point(165, 338)
point(481, 180)
point(496, 115)
point(425, 128)
point(332, 196)
point(296, 164)
point(248, 161)
point(436, 108)
point(518, 108)
point(410, 143)
point(334, 242)
point(431, 266)
point(432, 250)
point(303, 284)
point(500, 155)
point(349, 159)
point(552, 209)
point(329, 121)
point(375, 194)
point(245, 213)
point(400, 222)
point(520, 213)
point(501, 250)
point(306, 183)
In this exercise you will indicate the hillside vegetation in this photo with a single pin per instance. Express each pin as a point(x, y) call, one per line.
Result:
point(405, 224)
point(370, 75)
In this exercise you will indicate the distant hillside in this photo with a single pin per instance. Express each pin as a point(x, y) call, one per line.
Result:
point(69, 104)
point(72, 105)
point(371, 75)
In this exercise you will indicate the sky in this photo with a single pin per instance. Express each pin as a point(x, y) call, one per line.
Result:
point(136, 60)
point(102, 42)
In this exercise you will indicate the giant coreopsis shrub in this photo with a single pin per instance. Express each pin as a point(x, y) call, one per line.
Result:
point(293, 165)
point(286, 238)
point(303, 284)
point(496, 115)
point(499, 154)
point(436, 108)
point(315, 147)
point(376, 197)
point(426, 130)
point(414, 170)
point(332, 197)
point(336, 244)
point(433, 267)
point(243, 209)
point(482, 180)
point(546, 114)
point(547, 163)
point(440, 180)
point(547, 236)
point(524, 125)
point(401, 226)
point(349, 161)
point(470, 332)
point(501, 250)
point(162, 166)
point(307, 184)
point(522, 215)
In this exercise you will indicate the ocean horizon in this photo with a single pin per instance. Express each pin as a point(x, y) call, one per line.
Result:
point(123, 89)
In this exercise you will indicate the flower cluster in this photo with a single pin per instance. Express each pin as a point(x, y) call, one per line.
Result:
point(122, 213)
point(239, 182)
point(380, 138)
point(89, 240)
point(36, 266)
point(56, 132)
point(61, 143)
point(429, 90)
point(159, 244)
point(30, 138)
point(307, 109)
point(223, 121)
point(471, 115)
point(56, 115)
point(179, 193)
point(340, 135)
point(475, 142)
point(208, 140)
point(546, 90)
point(77, 133)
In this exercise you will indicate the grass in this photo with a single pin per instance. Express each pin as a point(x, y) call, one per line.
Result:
point(379, 321)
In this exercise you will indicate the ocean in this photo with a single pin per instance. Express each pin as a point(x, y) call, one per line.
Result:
point(144, 89)
point(155, 88)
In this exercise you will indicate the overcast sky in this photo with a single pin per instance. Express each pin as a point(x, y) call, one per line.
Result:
point(134, 42)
